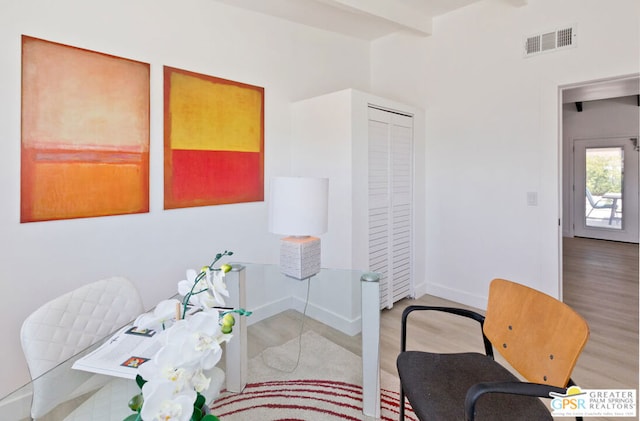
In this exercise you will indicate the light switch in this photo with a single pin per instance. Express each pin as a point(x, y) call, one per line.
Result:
point(532, 198)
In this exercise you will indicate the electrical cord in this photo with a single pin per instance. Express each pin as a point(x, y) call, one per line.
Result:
point(304, 314)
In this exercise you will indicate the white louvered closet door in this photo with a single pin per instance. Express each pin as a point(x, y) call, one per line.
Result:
point(390, 202)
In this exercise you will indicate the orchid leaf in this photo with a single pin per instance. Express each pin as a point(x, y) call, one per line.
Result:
point(200, 400)
point(140, 381)
point(197, 414)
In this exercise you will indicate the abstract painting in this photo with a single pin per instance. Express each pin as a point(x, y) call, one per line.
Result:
point(85, 133)
point(213, 140)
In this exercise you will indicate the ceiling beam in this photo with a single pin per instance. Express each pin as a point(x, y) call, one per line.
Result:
point(602, 90)
point(389, 10)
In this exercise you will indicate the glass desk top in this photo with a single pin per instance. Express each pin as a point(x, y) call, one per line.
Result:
point(349, 298)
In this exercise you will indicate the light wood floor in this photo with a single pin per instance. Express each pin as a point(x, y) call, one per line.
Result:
point(600, 282)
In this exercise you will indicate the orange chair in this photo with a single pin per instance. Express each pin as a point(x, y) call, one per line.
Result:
point(539, 336)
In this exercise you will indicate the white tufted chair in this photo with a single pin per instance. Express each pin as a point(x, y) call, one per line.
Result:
point(65, 326)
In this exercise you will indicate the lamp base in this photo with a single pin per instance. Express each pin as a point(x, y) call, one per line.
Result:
point(300, 256)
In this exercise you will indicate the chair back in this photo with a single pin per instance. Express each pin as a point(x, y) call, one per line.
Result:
point(590, 198)
point(65, 326)
point(538, 335)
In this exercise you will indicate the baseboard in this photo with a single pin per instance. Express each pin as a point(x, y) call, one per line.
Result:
point(329, 318)
point(17, 407)
point(318, 313)
point(456, 295)
point(267, 310)
point(419, 289)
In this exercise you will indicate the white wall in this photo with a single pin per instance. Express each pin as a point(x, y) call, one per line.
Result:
point(42, 260)
point(492, 131)
point(616, 117)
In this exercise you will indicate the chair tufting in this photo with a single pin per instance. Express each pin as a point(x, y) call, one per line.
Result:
point(65, 326)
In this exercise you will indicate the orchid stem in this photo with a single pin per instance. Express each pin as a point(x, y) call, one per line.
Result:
point(202, 273)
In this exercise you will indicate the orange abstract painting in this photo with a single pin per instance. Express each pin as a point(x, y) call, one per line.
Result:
point(213, 140)
point(85, 133)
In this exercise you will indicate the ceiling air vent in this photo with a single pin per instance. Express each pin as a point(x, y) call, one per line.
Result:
point(550, 41)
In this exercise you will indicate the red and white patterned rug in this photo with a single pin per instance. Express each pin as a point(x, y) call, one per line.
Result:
point(309, 400)
point(308, 378)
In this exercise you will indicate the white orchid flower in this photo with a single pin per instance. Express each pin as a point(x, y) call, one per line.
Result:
point(200, 338)
point(168, 365)
point(208, 291)
point(160, 317)
point(161, 403)
point(215, 282)
point(187, 286)
point(200, 382)
point(184, 367)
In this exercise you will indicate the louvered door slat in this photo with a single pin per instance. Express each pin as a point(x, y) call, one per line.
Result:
point(390, 202)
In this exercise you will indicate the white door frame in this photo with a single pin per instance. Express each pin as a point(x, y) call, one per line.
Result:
point(581, 91)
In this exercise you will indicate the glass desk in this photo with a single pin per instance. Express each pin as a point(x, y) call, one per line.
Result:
point(348, 300)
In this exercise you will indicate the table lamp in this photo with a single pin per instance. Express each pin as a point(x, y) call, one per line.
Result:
point(298, 208)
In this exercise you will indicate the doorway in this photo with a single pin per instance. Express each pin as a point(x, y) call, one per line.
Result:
point(605, 188)
point(594, 116)
point(604, 109)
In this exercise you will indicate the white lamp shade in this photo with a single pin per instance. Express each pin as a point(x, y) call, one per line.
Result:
point(298, 205)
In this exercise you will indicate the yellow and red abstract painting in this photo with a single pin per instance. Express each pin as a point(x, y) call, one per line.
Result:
point(213, 140)
point(85, 133)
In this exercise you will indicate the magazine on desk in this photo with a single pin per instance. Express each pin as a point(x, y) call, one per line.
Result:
point(122, 354)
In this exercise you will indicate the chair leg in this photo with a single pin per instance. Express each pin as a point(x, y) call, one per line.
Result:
point(401, 406)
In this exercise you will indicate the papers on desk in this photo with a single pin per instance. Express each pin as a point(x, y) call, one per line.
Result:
point(122, 354)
